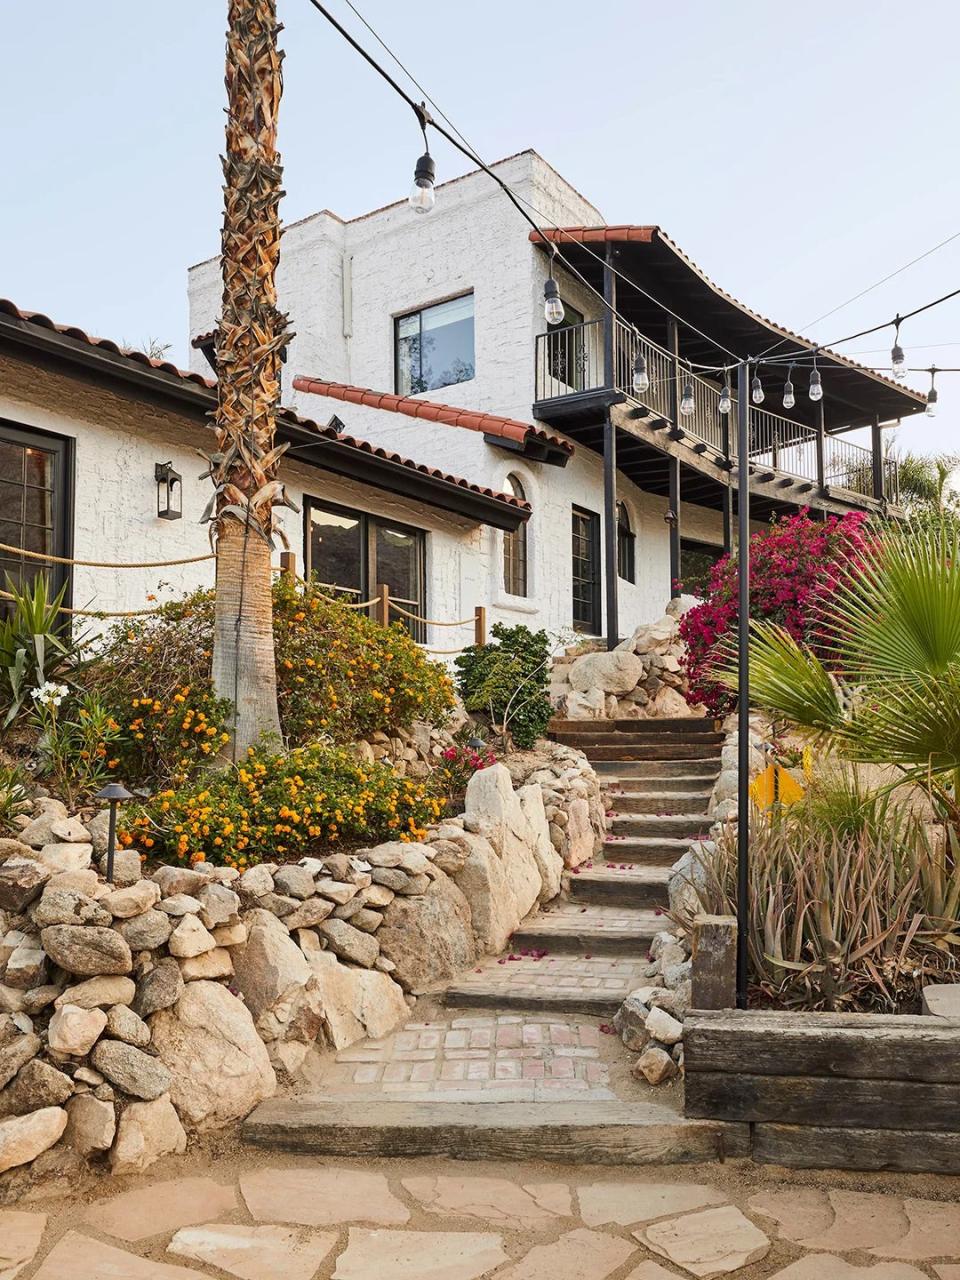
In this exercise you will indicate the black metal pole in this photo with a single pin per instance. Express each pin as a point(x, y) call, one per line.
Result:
point(610, 354)
point(743, 679)
point(111, 839)
point(727, 489)
point(673, 464)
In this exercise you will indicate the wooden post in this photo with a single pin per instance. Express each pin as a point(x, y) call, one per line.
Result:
point(480, 625)
point(714, 971)
point(383, 604)
point(821, 443)
point(288, 565)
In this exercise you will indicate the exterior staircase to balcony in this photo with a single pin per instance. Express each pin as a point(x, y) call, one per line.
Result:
point(659, 775)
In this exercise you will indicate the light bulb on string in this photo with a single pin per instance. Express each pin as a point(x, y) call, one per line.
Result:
point(932, 397)
point(898, 361)
point(552, 306)
point(789, 398)
point(815, 390)
point(423, 196)
point(641, 379)
point(725, 401)
point(756, 390)
point(687, 403)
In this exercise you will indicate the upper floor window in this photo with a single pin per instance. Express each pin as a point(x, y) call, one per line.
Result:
point(626, 543)
point(34, 506)
point(434, 347)
point(515, 550)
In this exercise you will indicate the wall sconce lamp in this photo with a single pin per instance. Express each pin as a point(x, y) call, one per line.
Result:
point(670, 518)
point(169, 503)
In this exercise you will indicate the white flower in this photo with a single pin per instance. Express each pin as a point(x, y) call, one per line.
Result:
point(50, 694)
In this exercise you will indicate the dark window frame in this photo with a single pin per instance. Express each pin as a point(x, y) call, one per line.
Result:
point(516, 563)
point(64, 495)
point(369, 522)
point(626, 546)
point(591, 620)
point(419, 311)
point(712, 549)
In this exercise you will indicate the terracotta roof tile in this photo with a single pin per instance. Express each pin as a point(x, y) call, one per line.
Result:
point(488, 423)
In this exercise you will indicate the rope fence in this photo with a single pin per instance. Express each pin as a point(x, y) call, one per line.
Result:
point(105, 564)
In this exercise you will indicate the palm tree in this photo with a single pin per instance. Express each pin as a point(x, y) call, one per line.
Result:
point(251, 336)
point(922, 480)
point(889, 691)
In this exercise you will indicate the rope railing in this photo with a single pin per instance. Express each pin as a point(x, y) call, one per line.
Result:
point(431, 622)
point(95, 613)
point(105, 564)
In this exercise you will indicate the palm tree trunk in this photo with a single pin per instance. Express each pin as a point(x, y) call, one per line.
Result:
point(251, 336)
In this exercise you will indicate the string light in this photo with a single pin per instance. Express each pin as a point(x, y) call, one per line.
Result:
point(552, 306)
point(932, 397)
point(815, 389)
point(756, 390)
point(687, 403)
point(725, 401)
point(789, 398)
point(898, 361)
point(423, 194)
point(641, 379)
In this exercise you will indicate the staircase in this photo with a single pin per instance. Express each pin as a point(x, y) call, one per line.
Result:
point(659, 775)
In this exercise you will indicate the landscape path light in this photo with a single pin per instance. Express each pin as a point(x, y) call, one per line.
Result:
point(113, 793)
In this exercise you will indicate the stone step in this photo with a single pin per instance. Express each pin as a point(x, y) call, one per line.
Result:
point(678, 771)
point(643, 886)
point(677, 801)
point(653, 851)
point(612, 1133)
point(658, 825)
point(595, 930)
point(684, 725)
point(563, 983)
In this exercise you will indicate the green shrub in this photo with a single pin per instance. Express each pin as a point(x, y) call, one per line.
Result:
point(508, 680)
point(36, 645)
point(340, 676)
point(279, 807)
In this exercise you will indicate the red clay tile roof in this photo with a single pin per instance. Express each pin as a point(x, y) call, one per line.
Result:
point(285, 415)
point(593, 235)
point(491, 424)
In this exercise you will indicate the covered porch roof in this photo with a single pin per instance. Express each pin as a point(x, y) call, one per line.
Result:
point(854, 396)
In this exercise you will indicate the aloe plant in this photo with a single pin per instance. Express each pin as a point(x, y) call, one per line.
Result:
point(35, 646)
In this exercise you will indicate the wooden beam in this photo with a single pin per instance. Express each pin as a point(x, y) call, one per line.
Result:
point(819, 1147)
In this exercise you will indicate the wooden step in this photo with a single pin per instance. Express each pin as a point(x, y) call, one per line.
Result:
point(589, 739)
point(593, 930)
point(671, 802)
point(685, 725)
point(641, 885)
point(654, 752)
point(672, 826)
point(564, 982)
point(651, 851)
point(611, 1133)
point(679, 771)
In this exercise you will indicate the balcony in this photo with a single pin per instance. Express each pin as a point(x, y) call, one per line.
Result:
point(570, 364)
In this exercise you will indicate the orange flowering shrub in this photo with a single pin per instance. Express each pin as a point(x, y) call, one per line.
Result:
point(340, 676)
point(279, 807)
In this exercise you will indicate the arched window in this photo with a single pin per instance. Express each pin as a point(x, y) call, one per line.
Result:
point(515, 549)
point(626, 558)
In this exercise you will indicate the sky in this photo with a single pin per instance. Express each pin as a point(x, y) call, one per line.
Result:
point(797, 153)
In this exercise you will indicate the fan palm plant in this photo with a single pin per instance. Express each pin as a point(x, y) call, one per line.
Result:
point(251, 337)
point(887, 691)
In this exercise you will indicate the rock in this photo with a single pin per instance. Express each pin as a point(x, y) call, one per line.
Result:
point(130, 1069)
point(127, 867)
point(941, 1000)
point(356, 1002)
point(147, 1131)
point(13, 849)
point(376, 895)
point(87, 951)
point(75, 1031)
point(368, 921)
point(549, 862)
point(615, 672)
point(40, 831)
point(411, 886)
point(17, 1047)
point(429, 938)
point(38, 998)
point(385, 855)
point(337, 866)
point(219, 905)
point(98, 993)
point(92, 1124)
point(23, 1138)
point(279, 904)
point(180, 904)
point(190, 938)
point(70, 830)
point(133, 900)
point(21, 882)
point(230, 935)
point(586, 706)
point(338, 891)
point(309, 913)
point(631, 1018)
point(66, 857)
point(710, 1241)
point(159, 989)
point(391, 878)
point(663, 1027)
point(123, 1024)
point(148, 931)
point(36, 1085)
point(219, 1065)
point(314, 1196)
point(580, 840)
point(68, 906)
point(276, 982)
point(655, 1065)
point(294, 881)
point(212, 964)
point(501, 880)
point(12, 1000)
point(85, 882)
point(173, 880)
point(258, 1253)
point(98, 829)
point(27, 966)
point(256, 882)
point(349, 943)
point(415, 859)
point(453, 1255)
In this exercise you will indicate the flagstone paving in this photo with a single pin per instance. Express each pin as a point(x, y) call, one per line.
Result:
point(292, 1218)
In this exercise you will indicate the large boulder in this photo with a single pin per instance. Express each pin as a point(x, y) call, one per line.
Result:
point(549, 862)
point(86, 951)
point(356, 1002)
point(616, 672)
point(23, 1138)
point(276, 982)
point(219, 1066)
point(494, 810)
point(429, 938)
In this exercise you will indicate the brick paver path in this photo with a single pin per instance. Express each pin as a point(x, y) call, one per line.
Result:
point(297, 1219)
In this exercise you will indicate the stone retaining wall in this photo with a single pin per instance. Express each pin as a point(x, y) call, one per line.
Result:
point(135, 1013)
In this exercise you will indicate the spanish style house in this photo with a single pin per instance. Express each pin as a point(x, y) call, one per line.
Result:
point(427, 335)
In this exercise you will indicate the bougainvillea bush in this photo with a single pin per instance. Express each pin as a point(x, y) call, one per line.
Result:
point(795, 566)
point(340, 676)
point(280, 806)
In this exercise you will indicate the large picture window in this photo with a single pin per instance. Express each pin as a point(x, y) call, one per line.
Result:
point(434, 346)
point(515, 549)
point(357, 552)
point(34, 504)
point(585, 559)
point(696, 565)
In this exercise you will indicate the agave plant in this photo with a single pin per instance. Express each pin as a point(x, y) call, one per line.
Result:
point(35, 645)
point(888, 690)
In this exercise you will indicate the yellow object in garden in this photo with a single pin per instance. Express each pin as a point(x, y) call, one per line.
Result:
point(775, 786)
point(808, 763)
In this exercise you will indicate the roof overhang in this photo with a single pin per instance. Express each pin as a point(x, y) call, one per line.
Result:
point(854, 395)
